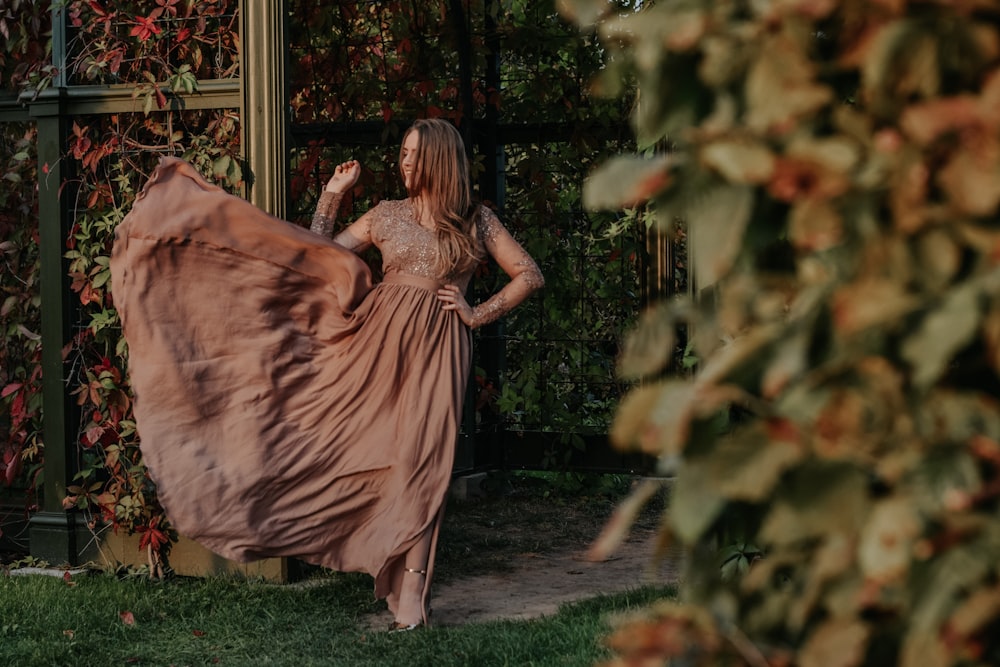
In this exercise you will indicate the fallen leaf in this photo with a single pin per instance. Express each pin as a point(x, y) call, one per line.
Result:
point(127, 618)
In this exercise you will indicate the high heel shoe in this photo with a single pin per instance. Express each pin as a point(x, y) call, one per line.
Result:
point(396, 626)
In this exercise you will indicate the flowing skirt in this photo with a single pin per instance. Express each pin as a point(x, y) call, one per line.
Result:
point(285, 405)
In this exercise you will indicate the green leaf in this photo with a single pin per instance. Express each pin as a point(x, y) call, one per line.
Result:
point(624, 182)
point(620, 523)
point(649, 348)
point(716, 226)
point(886, 545)
point(585, 13)
point(220, 168)
point(747, 464)
point(742, 162)
point(836, 643)
point(101, 278)
point(694, 506)
point(950, 575)
point(942, 333)
point(815, 500)
point(944, 475)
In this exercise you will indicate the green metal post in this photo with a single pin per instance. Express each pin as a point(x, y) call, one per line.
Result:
point(55, 535)
point(265, 101)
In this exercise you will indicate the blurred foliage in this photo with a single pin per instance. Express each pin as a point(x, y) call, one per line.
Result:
point(837, 164)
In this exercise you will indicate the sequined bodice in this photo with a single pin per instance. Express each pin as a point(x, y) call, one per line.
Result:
point(406, 246)
point(408, 249)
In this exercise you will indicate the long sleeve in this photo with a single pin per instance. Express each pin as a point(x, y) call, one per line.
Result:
point(357, 237)
point(525, 276)
point(325, 216)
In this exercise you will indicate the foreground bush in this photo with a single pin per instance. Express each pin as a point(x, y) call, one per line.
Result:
point(837, 167)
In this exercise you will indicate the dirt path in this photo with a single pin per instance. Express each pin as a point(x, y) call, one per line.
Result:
point(538, 584)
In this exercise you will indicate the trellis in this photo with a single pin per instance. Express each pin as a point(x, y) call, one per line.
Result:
point(273, 147)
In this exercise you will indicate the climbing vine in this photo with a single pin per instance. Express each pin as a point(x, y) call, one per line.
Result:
point(20, 336)
point(161, 50)
point(23, 63)
point(158, 49)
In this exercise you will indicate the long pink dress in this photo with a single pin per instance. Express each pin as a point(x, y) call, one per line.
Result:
point(286, 406)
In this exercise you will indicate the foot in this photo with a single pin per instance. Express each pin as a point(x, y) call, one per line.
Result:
point(410, 612)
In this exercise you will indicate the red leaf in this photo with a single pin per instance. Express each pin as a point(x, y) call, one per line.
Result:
point(144, 28)
point(10, 389)
point(68, 578)
point(127, 618)
point(198, 633)
point(11, 471)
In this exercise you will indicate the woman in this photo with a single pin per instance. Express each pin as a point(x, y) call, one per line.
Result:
point(288, 408)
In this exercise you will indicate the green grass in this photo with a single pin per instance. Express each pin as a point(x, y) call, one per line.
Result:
point(45, 621)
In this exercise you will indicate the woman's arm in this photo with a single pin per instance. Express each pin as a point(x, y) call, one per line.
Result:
point(357, 236)
point(325, 216)
point(525, 277)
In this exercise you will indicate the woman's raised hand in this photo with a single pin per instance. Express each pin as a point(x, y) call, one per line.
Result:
point(344, 177)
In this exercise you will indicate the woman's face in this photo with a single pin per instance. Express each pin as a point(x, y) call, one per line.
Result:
point(408, 157)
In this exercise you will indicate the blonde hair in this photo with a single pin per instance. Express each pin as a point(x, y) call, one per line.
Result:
point(440, 179)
